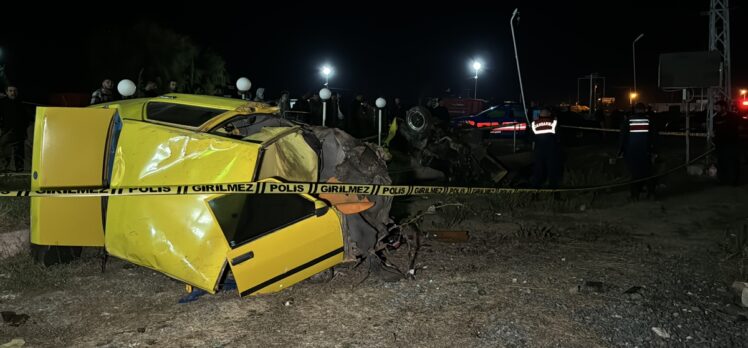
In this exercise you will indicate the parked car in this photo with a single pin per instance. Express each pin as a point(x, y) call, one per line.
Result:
point(499, 121)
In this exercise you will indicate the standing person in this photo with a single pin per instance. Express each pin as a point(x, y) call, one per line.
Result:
point(727, 144)
point(355, 115)
point(151, 90)
point(173, 86)
point(637, 148)
point(315, 110)
point(332, 111)
point(260, 95)
point(14, 122)
point(397, 110)
point(547, 156)
point(103, 94)
point(441, 113)
point(284, 103)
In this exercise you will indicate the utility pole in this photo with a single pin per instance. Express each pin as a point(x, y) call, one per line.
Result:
point(719, 41)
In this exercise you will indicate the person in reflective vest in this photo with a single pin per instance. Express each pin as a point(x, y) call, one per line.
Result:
point(547, 161)
point(637, 148)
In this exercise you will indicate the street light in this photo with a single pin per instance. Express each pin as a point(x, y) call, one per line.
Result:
point(380, 103)
point(243, 85)
point(126, 88)
point(632, 97)
point(326, 71)
point(633, 53)
point(515, 14)
point(476, 67)
point(324, 94)
point(742, 93)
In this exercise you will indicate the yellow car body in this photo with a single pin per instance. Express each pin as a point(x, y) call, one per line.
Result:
point(269, 241)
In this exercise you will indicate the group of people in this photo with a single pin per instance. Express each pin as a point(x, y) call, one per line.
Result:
point(359, 117)
point(106, 92)
point(637, 148)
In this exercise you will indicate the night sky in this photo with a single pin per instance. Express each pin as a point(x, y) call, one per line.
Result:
point(400, 50)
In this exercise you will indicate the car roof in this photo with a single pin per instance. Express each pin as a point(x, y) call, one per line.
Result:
point(187, 99)
point(134, 108)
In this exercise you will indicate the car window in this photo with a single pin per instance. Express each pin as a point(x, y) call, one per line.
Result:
point(186, 115)
point(518, 111)
point(244, 218)
point(497, 113)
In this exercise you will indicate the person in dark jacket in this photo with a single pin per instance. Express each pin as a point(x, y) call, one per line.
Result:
point(15, 119)
point(638, 149)
point(441, 113)
point(354, 124)
point(103, 94)
point(547, 155)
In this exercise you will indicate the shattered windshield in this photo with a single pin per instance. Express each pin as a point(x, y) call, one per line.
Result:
point(243, 126)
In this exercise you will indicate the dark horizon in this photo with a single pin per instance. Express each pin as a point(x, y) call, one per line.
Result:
point(407, 53)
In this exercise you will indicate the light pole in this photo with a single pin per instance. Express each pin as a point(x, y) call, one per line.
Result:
point(476, 67)
point(243, 85)
point(380, 103)
point(324, 94)
point(633, 54)
point(326, 71)
point(515, 14)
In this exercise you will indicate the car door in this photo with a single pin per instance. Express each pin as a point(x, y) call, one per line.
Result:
point(277, 240)
point(71, 150)
point(191, 237)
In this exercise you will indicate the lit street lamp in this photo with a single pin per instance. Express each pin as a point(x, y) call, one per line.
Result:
point(324, 94)
point(380, 103)
point(243, 85)
point(476, 67)
point(126, 88)
point(326, 71)
point(742, 93)
point(632, 97)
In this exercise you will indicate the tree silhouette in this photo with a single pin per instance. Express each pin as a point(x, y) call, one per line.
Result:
point(147, 51)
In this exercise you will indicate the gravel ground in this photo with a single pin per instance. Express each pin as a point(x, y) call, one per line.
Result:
point(586, 271)
point(528, 277)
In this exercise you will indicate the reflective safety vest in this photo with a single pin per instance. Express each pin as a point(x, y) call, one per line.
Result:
point(544, 126)
point(639, 125)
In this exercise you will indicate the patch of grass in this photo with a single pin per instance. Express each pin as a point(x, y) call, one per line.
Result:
point(21, 273)
point(14, 214)
point(14, 211)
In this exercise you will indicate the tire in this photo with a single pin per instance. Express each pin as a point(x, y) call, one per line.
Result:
point(418, 120)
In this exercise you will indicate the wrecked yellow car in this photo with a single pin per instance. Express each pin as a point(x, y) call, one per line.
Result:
point(268, 242)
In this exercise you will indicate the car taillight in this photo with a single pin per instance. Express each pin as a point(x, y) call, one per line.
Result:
point(510, 127)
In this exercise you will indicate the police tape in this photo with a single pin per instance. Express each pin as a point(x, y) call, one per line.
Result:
point(265, 187)
point(260, 188)
point(613, 130)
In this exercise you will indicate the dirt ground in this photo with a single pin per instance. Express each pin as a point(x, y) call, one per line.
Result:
point(585, 271)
